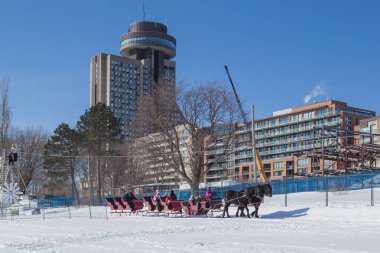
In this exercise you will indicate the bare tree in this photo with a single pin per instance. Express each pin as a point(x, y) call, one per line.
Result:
point(30, 143)
point(149, 162)
point(115, 165)
point(197, 120)
point(5, 113)
point(136, 168)
point(124, 166)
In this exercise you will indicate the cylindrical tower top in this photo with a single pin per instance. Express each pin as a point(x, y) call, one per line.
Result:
point(147, 26)
point(143, 35)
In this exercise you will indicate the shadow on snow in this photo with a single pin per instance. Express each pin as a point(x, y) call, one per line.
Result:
point(286, 214)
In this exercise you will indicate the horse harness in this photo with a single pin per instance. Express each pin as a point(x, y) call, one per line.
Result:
point(260, 199)
point(256, 204)
point(237, 198)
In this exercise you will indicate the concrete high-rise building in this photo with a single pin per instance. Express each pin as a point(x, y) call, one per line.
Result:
point(145, 61)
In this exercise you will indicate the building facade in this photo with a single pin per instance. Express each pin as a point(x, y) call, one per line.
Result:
point(370, 126)
point(283, 140)
point(155, 158)
point(146, 61)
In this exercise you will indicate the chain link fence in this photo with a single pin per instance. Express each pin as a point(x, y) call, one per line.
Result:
point(322, 191)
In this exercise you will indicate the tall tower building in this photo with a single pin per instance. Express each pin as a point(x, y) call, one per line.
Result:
point(120, 81)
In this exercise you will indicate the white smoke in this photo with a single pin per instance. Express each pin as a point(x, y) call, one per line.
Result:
point(319, 89)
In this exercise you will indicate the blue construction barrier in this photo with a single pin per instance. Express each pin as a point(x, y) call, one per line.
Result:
point(306, 184)
point(290, 185)
point(50, 202)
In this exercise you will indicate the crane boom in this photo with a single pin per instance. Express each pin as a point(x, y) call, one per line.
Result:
point(236, 96)
point(259, 164)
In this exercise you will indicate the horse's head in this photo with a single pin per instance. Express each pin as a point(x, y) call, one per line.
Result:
point(265, 189)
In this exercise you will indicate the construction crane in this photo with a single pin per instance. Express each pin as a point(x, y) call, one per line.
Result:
point(259, 164)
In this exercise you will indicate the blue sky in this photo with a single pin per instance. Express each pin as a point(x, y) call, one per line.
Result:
point(277, 51)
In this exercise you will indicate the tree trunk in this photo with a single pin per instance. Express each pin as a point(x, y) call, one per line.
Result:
point(73, 184)
point(99, 193)
point(194, 188)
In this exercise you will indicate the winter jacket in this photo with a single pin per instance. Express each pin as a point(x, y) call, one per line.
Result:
point(208, 194)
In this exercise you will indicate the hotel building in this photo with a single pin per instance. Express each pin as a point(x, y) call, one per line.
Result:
point(145, 61)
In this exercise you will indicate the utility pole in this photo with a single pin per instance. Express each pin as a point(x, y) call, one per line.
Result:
point(323, 150)
point(253, 144)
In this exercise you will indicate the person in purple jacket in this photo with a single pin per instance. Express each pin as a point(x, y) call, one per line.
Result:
point(209, 194)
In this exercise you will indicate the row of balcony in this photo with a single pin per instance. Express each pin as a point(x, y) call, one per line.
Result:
point(292, 149)
point(316, 116)
point(216, 175)
point(295, 130)
point(284, 141)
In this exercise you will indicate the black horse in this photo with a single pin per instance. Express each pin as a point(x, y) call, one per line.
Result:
point(255, 195)
point(251, 195)
point(237, 198)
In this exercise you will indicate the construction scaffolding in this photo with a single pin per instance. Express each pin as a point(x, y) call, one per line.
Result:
point(342, 151)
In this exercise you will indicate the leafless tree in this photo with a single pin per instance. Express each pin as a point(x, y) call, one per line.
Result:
point(149, 163)
point(30, 143)
point(195, 121)
point(122, 167)
point(114, 166)
point(5, 113)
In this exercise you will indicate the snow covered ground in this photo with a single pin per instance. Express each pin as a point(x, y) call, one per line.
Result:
point(348, 224)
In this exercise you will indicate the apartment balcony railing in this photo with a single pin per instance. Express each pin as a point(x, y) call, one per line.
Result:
point(317, 116)
point(294, 130)
point(286, 141)
point(243, 156)
point(242, 148)
point(215, 175)
point(243, 130)
point(270, 152)
point(214, 152)
point(217, 168)
point(299, 148)
point(243, 140)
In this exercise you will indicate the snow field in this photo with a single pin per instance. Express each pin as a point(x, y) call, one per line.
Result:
point(348, 224)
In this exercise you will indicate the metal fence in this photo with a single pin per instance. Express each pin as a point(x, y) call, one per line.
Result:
point(51, 207)
point(328, 190)
point(332, 184)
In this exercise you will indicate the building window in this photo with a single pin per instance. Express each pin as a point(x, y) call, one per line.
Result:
point(159, 41)
point(267, 166)
point(320, 112)
point(335, 120)
point(284, 120)
point(302, 162)
point(277, 173)
point(260, 124)
point(302, 171)
point(308, 115)
point(278, 165)
point(272, 122)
